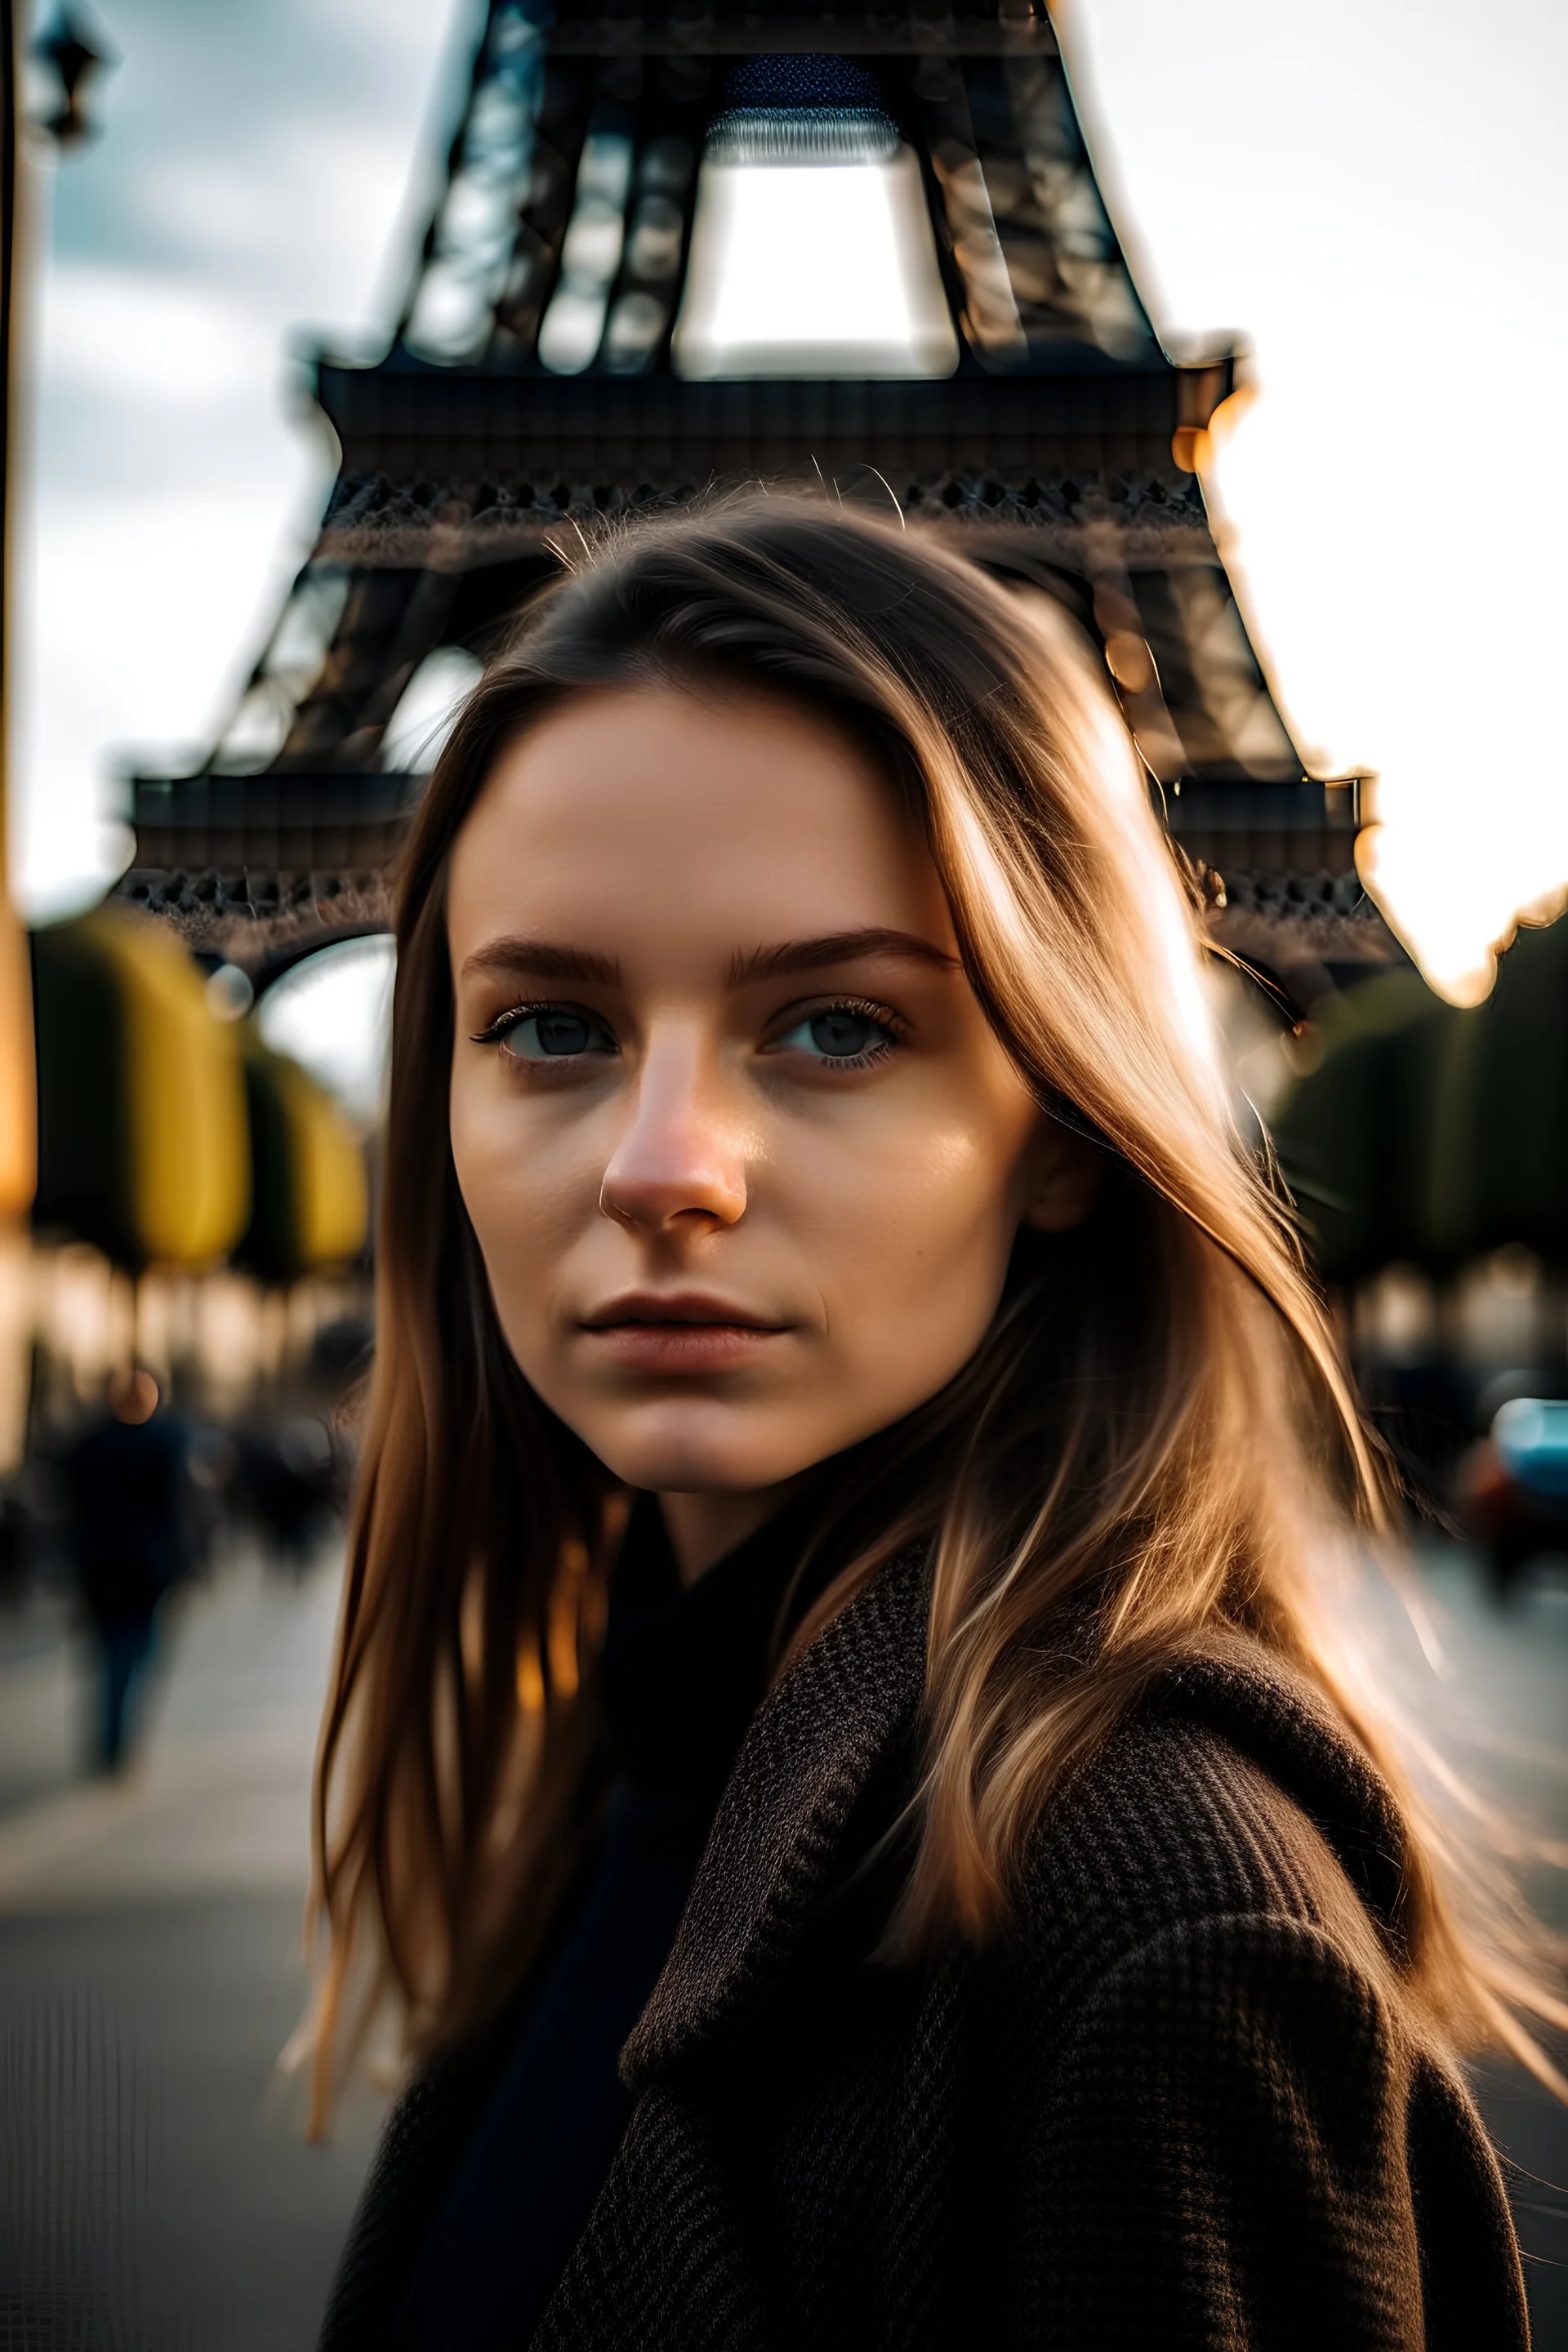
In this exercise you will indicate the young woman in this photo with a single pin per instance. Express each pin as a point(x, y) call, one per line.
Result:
point(833, 1747)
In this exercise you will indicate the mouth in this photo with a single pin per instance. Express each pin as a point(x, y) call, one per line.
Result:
point(687, 1307)
point(685, 1331)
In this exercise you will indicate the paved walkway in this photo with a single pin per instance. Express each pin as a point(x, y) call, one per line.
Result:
point(155, 2189)
point(217, 1799)
point(1499, 1706)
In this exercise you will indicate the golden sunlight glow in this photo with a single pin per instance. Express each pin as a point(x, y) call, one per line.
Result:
point(18, 1158)
point(530, 1680)
point(1395, 264)
point(1468, 820)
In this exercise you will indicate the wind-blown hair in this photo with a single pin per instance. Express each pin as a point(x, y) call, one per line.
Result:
point(1151, 1452)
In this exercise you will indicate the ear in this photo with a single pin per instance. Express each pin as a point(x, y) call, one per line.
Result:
point(1062, 1173)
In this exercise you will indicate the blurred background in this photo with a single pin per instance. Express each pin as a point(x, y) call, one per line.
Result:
point(1239, 330)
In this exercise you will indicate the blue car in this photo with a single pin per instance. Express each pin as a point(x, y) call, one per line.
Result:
point(1515, 1485)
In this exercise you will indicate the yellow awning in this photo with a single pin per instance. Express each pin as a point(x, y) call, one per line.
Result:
point(307, 1174)
point(142, 1134)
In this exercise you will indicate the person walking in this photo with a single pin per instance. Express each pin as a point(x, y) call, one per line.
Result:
point(126, 1478)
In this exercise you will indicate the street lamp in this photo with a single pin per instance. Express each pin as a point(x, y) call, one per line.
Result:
point(65, 55)
point(65, 62)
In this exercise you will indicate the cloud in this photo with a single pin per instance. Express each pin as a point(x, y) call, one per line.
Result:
point(253, 178)
point(144, 337)
point(255, 221)
point(1371, 191)
point(141, 612)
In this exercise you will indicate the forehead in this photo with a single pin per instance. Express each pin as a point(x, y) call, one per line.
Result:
point(660, 824)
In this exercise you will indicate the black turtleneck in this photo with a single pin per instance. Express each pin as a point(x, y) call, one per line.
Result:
point(680, 1675)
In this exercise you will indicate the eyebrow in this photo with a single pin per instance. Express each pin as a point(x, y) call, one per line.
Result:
point(543, 959)
point(835, 947)
point(547, 959)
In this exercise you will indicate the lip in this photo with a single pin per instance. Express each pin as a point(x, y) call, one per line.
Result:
point(679, 1331)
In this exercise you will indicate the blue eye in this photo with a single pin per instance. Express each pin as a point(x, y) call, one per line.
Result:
point(556, 1033)
point(839, 1033)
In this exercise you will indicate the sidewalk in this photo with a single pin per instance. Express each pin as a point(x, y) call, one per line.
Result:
point(217, 1800)
point(155, 2188)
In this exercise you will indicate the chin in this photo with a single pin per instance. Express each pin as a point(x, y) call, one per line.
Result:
point(701, 1449)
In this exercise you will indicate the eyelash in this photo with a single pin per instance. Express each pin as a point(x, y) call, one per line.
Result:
point(501, 1027)
point(882, 1015)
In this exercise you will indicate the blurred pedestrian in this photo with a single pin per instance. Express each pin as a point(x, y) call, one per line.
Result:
point(127, 1491)
point(292, 1482)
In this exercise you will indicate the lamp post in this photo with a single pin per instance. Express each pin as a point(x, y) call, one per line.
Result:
point(65, 60)
point(18, 1109)
point(66, 55)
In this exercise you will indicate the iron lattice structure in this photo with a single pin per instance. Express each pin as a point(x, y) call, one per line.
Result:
point(537, 378)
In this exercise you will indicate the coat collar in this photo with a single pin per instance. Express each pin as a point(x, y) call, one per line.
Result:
point(851, 1700)
point(779, 1834)
point(1269, 1710)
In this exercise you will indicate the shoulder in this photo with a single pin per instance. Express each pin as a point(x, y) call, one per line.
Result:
point(1232, 1806)
point(1207, 2061)
point(1239, 2114)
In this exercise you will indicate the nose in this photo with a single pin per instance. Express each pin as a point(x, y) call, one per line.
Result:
point(680, 1157)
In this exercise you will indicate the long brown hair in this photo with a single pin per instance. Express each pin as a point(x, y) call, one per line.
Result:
point(1151, 1451)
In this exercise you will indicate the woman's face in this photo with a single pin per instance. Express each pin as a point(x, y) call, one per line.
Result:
point(743, 1157)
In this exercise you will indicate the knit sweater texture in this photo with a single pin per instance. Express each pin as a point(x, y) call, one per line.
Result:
point(1180, 2102)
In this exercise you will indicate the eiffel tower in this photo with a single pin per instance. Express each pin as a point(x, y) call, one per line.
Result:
point(565, 352)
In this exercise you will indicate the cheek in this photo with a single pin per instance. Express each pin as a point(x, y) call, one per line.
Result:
point(926, 1241)
point(480, 1165)
point(520, 1206)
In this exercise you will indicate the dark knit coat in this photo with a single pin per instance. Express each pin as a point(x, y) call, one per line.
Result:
point(1178, 2102)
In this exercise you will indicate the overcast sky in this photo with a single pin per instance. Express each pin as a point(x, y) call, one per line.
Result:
point(1371, 191)
point(259, 175)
